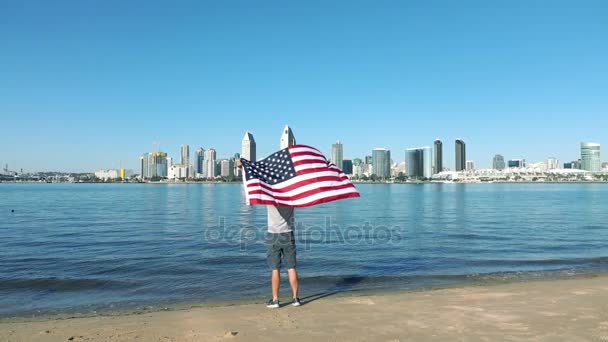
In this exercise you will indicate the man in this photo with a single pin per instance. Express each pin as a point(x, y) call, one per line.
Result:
point(280, 240)
point(281, 249)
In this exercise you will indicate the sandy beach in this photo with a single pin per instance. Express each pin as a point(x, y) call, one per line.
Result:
point(549, 310)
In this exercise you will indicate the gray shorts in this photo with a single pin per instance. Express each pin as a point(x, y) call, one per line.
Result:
point(281, 248)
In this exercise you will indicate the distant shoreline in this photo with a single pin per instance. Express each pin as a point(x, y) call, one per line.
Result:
point(354, 182)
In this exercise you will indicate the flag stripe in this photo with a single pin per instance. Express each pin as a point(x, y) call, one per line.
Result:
point(304, 194)
point(300, 187)
point(298, 179)
point(307, 157)
point(304, 182)
point(308, 201)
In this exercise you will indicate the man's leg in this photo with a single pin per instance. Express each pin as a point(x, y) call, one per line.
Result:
point(276, 283)
point(293, 281)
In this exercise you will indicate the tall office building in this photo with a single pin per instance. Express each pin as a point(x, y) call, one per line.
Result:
point(461, 155)
point(337, 154)
point(226, 168)
point(237, 170)
point(470, 166)
point(437, 156)
point(287, 138)
point(590, 157)
point(552, 163)
point(153, 164)
point(248, 148)
point(419, 162)
point(499, 162)
point(210, 167)
point(347, 166)
point(200, 160)
point(185, 155)
point(381, 162)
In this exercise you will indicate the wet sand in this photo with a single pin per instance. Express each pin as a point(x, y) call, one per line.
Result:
point(550, 310)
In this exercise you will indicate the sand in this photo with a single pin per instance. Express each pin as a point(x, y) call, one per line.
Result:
point(551, 310)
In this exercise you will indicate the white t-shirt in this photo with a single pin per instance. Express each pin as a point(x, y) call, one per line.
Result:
point(280, 219)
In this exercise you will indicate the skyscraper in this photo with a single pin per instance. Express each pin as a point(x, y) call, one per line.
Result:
point(499, 162)
point(248, 148)
point(590, 157)
point(200, 158)
point(461, 155)
point(210, 167)
point(287, 138)
point(185, 155)
point(419, 162)
point(226, 168)
point(153, 164)
point(337, 156)
point(437, 156)
point(347, 166)
point(381, 161)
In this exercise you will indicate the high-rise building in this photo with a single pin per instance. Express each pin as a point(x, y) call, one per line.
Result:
point(210, 167)
point(185, 158)
point(237, 170)
point(552, 163)
point(226, 168)
point(381, 162)
point(153, 164)
point(575, 164)
point(604, 166)
point(470, 165)
point(499, 162)
point(337, 154)
point(369, 160)
point(437, 156)
point(200, 160)
point(357, 162)
point(248, 148)
point(287, 138)
point(185, 155)
point(347, 166)
point(461, 155)
point(590, 157)
point(419, 162)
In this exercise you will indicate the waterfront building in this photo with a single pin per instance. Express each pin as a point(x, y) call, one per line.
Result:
point(200, 161)
point(226, 168)
point(498, 163)
point(517, 163)
point(461, 155)
point(419, 162)
point(153, 164)
point(590, 157)
point(337, 154)
point(248, 147)
point(287, 137)
point(210, 167)
point(552, 163)
point(347, 166)
point(437, 156)
point(470, 165)
point(381, 162)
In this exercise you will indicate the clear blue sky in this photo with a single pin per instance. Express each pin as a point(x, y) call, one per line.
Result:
point(84, 84)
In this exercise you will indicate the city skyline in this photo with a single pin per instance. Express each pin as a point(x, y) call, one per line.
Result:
point(82, 91)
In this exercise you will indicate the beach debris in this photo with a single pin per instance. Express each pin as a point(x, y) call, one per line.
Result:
point(231, 333)
point(73, 338)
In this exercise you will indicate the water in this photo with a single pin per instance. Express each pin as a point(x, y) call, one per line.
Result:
point(94, 247)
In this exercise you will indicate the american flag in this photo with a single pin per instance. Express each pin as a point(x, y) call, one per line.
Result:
point(297, 176)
